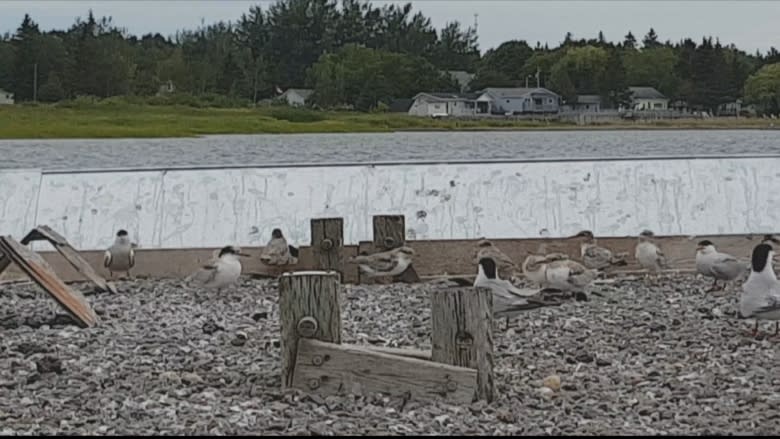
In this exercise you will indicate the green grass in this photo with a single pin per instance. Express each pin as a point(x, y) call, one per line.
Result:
point(120, 117)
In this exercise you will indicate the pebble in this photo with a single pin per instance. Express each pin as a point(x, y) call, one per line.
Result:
point(162, 361)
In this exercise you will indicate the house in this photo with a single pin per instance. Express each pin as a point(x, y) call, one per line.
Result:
point(733, 108)
point(443, 104)
point(462, 78)
point(166, 88)
point(517, 101)
point(296, 96)
point(586, 103)
point(6, 98)
point(647, 98)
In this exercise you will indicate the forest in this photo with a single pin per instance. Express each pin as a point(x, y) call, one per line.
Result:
point(356, 55)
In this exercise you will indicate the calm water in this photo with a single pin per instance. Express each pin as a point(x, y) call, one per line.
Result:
point(331, 148)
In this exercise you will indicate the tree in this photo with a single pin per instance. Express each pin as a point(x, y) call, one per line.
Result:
point(581, 70)
point(456, 49)
point(653, 68)
point(52, 90)
point(651, 40)
point(25, 44)
point(506, 61)
point(629, 42)
point(763, 89)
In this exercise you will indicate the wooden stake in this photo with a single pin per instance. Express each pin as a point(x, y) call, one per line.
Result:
point(390, 233)
point(462, 323)
point(309, 308)
point(327, 241)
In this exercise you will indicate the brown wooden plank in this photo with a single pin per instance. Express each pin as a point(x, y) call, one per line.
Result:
point(462, 333)
point(389, 231)
point(332, 369)
point(307, 295)
point(73, 301)
point(327, 241)
point(401, 352)
point(5, 261)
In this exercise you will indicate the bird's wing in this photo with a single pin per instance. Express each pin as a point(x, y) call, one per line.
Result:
point(206, 274)
point(107, 258)
point(520, 292)
point(660, 256)
point(771, 303)
point(132, 258)
point(599, 253)
point(275, 251)
point(378, 262)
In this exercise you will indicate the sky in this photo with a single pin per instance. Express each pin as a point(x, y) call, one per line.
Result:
point(750, 25)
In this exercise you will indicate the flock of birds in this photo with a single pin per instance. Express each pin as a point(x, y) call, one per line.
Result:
point(551, 272)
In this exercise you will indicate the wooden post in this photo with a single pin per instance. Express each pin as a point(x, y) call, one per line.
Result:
point(327, 241)
point(309, 308)
point(390, 233)
point(462, 324)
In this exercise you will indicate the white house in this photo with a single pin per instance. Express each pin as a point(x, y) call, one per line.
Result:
point(6, 98)
point(443, 104)
point(647, 98)
point(296, 96)
point(517, 101)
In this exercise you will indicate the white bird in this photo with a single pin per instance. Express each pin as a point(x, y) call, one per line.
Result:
point(388, 263)
point(507, 268)
point(649, 256)
point(719, 266)
point(761, 292)
point(220, 272)
point(278, 252)
point(568, 275)
point(121, 255)
point(508, 300)
point(594, 256)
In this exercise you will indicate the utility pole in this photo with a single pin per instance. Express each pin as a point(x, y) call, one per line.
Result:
point(35, 82)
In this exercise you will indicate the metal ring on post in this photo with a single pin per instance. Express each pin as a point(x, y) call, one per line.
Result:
point(314, 383)
point(452, 386)
point(464, 340)
point(389, 242)
point(326, 244)
point(307, 326)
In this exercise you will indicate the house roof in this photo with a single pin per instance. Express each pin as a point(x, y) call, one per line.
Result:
point(448, 96)
point(503, 93)
point(588, 99)
point(645, 93)
point(400, 105)
point(302, 92)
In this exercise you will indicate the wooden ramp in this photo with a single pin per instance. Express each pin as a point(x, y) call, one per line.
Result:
point(40, 272)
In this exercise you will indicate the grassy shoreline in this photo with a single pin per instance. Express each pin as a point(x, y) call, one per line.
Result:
point(123, 120)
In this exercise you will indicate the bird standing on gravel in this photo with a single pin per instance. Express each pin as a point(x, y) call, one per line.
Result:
point(649, 256)
point(121, 255)
point(761, 292)
point(596, 257)
point(389, 263)
point(556, 271)
point(220, 272)
point(507, 269)
point(508, 300)
point(719, 266)
point(278, 252)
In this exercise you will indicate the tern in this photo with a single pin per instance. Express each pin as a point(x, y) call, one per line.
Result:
point(719, 266)
point(121, 255)
point(221, 272)
point(760, 297)
point(388, 263)
point(278, 252)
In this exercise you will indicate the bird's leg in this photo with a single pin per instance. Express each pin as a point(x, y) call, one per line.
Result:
point(507, 324)
point(755, 329)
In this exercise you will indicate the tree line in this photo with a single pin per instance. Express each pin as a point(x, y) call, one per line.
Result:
point(356, 55)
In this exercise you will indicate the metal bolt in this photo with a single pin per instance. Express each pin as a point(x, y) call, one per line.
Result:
point(326, 244)
point(389, 242)
point(307, 326)
point(452, 386)
point(464, 340)
point(314, 383)
point(317, 360)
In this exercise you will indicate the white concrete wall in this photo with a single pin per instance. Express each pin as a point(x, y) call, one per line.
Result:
point(204, 208)
point(650, 104)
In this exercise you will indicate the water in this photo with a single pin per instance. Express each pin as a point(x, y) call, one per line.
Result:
point(366, 148)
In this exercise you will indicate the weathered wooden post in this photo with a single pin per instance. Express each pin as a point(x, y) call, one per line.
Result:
point(327, 240)
point(309, 308)
point(390, 233)
point(462, 323)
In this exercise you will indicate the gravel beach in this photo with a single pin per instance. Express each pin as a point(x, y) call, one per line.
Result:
point(649, 357)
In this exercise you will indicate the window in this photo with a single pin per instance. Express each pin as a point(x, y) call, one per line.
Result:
point(538, 101)
point(549, 101)
point(507, 101)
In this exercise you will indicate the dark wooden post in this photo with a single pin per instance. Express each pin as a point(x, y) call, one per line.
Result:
point(327, 241)
point(309, 308)
point(390, 233)
point(462, 324)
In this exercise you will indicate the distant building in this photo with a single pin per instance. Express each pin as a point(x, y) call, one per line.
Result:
point(296, 97)
point(6, 97)
point(647, 98)
point(518, 101)
point(730, 108)
point(443, 104)
point(463, 78)
point(586, 103)
point(400, 105)
point(166, 87)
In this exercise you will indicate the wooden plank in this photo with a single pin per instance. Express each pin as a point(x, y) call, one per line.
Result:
point(73, 301)
point(44, 232)
point(307, 295)
point(327, 241)
point(5, 261)
point(462, 333)
point(401, 352)
point(390, 233)
point(331, 369)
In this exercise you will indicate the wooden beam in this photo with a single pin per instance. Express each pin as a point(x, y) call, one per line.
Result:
point(327, 243)
point(462, 333)
point(390, 233)
point(309, 308)
point(330, 369)
point(71, 300)
point(401, 352)
point(70, 254)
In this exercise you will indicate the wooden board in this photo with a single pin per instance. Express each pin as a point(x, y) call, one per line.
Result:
point(345, 369)
point(401, 352)
point(70, 254)
point(72, 301)
point(327, 241)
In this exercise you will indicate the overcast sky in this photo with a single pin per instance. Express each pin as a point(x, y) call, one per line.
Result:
point(751, 25)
